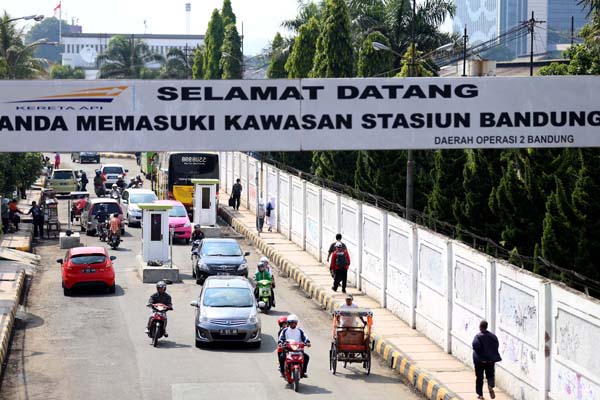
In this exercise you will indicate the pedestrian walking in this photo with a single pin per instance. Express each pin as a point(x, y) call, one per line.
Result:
point(260, 218)
point(56, 160)
point(13, 213)
point(84, 181)
point(236, 193)
point(338, 239)
point(270, 213)
point(38, 220)
point(340, 262)
point(485, 357)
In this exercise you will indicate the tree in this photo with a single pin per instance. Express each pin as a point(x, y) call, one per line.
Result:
point(334, 53)
point(213, 40)
point(446, 194)
point(227, 13)
point(419, 70)
point(232, 64)
point(300, 62)
point(66, 72)
point(48, 30)
point(18, 60)
point(553, 69)
point(276, 67)
point(127, 58)
point(177, 65)
point(372, 62)
point(306, 11)
point(197, 71)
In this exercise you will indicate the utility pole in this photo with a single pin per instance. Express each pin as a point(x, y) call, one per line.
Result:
point(465, 39)
point(410, 161)
point(572, 29)
point(531, 27)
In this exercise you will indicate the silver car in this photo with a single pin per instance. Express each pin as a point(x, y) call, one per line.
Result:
point(130, 200)
point(227, 312)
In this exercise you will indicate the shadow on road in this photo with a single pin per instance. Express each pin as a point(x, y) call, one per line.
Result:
point(268, 345)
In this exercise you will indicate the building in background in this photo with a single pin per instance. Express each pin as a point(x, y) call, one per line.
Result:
point(488, 19)
point(82, 49)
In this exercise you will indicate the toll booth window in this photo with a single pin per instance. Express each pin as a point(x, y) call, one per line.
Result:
point(205, 198)
point(155, 228)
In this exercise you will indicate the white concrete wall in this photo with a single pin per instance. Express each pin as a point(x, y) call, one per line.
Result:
point(401, 268)
point(433, 293)
point(472, 294)
point(244, 177)
point(252, 188)
point(350, 228)
point(313, 220)
point(223, 171)
point(520, 322)
point(298, 211)
point(575, 332)
point(373, 269)
point(443, 288)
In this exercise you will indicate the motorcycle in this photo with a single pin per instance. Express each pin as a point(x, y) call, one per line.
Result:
point(102, 231)
point(264, 294)
point(99, 190)
point(195, 256)
point(294, 363)
point(157, 322)
point(113, 241)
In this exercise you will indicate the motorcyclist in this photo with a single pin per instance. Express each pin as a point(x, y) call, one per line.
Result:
point(197, 234)
point(99, 183)
point(138, 180)
point(132, 183)
point(114, 226)
point(292, 332)
point(282, 322)
point(161, 296)
point(101, 217)
point(263, 274)
point(267, 264)
point(114, 192)
point(121, 183)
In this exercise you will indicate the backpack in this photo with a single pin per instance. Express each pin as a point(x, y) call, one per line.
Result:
point(269, 208)
point(340, 259)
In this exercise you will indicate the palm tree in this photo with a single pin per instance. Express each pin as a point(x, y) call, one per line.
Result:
point(306, 10)
point(127, 58)
point(178, 65)
point(16, 58)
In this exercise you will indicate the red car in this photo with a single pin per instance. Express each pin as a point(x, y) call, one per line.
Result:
point(87, 266)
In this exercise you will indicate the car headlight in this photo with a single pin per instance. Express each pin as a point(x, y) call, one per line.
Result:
point(242, 267)
point(202, 318)
point(187, 225)
point(253, 318)
point(203, 266)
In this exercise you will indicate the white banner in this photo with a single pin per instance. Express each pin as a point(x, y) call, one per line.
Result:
point(293, 115)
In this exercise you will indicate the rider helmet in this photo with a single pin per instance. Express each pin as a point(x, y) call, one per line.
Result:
point(161, 284)
point(114, 186)
point(197, 226)
point(282, 320)
point(116, 215)
point(264, 260)
point(292, 318)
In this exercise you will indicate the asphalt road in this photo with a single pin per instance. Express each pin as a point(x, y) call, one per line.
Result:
point(93, 346)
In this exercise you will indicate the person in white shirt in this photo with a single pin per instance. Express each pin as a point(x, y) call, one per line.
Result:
point(348, 321)
point(292, 332)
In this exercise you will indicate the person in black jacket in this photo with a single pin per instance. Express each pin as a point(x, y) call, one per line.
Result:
point(161, 296)
point(485, 356)
point(236, 193)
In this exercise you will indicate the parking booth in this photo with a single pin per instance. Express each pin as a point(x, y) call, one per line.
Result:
point(155, 232)
point(205, 201)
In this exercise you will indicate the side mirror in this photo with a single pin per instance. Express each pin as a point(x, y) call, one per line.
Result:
point(261, 304)
point(194, 303)
point(246, 254)
point(60, 261)
point(126, 170)
point(113, 258)
point(124, 201)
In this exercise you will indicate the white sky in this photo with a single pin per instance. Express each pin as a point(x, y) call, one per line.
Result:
point(261, 18)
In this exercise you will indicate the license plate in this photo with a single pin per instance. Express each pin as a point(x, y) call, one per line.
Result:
point(228, 331)
point(221, 273)
point(264, 292)
point(89, 270)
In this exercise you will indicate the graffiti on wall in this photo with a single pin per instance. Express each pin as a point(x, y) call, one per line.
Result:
point(517, 311)
point(517, 355)
point(465, 323)
point(577, 341)
point(570, 385)
point(398, 284)
point(469, 286)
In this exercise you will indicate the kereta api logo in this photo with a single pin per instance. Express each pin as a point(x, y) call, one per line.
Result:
point(94, 95)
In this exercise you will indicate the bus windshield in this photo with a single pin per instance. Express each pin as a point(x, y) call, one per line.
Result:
point(185, 166)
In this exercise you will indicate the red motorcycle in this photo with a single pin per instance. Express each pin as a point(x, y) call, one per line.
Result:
point(294, 363)
point(158, 322)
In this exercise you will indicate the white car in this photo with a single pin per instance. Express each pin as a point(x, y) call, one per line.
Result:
point(130, 200)
point(112, 172)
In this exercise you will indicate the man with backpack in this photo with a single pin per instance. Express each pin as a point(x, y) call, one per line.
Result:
point(340, 262)
point(338, 239)
point(236, 193)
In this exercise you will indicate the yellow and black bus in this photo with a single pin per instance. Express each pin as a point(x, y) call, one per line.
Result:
point(177, 169)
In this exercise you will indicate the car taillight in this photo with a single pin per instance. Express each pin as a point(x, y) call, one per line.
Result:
point(170, 195)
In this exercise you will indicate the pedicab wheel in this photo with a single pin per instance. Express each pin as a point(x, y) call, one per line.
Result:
point(367, 363)
point(334, 355)
point(296, 377)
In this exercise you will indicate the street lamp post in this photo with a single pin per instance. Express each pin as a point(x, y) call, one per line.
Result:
point(35, 17)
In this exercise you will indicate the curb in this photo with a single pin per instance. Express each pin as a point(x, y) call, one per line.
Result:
point(396, 359)
point(118, 155)
point(7, 330)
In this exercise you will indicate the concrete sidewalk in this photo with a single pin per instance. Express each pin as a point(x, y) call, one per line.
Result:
point(433, 372)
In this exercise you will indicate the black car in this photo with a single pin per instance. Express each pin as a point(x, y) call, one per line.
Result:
point(85, 156)
point(220, 257)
